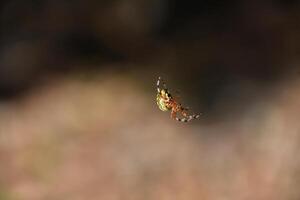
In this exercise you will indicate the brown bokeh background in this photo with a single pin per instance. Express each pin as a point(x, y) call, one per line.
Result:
point(78, 117)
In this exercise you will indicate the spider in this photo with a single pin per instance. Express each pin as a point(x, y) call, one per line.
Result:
point(166, 102)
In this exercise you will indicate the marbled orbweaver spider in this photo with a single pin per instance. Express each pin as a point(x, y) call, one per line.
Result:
point(166, 102)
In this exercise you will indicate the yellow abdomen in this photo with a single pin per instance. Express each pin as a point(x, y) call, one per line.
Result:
point(161, 103)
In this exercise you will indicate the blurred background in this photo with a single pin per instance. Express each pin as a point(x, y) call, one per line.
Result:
point(78, 114)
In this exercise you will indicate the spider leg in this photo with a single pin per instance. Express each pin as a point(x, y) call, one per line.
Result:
point(187, 117)
point(184, 113)
point(157, 84)
point(174, 115)
point(191, 117)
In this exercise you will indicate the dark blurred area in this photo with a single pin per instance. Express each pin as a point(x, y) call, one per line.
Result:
point(218, 40)
point(78, 117)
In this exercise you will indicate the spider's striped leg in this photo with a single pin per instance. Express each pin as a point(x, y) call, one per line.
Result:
point(194, 116)
point(174, 113)
point(184, 113)
point(187, 117)
point(157, 84)
point(160, 81)
point(174, 116)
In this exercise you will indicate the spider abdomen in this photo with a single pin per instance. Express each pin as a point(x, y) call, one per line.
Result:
point(162, 103)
